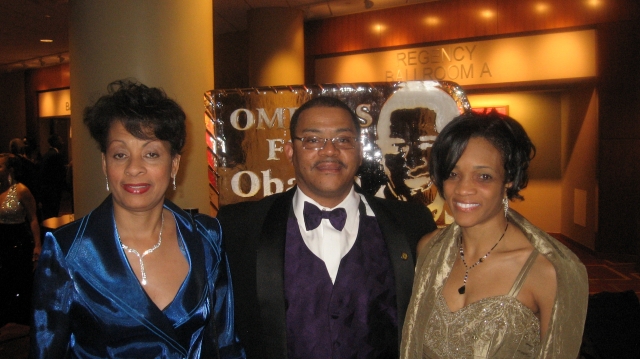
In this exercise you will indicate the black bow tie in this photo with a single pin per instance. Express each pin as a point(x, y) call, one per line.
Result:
point(313, 216)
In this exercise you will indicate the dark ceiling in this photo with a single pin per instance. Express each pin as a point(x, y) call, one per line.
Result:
point(26, 22)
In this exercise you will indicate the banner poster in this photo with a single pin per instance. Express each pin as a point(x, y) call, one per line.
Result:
point(247, 130)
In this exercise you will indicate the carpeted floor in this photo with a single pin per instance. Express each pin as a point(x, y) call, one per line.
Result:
point(14, 341)
point(606, 275)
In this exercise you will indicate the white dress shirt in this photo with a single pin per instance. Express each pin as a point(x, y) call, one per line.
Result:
point(326, 242)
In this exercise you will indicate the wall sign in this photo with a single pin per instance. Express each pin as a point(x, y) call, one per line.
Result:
point(54, 103)
point(517, 59)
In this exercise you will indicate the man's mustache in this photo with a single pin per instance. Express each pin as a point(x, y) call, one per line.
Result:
point(342, 164)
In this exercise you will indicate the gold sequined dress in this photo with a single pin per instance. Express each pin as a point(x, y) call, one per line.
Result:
point(500, 326)
point(16, 249)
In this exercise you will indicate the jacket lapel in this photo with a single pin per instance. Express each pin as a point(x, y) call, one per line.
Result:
point(102, 271)
point(196, 281)
point(270, 277)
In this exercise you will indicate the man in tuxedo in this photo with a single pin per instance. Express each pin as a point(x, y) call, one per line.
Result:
point(322, 271)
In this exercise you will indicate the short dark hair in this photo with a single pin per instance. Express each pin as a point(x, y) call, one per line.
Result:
point(17, 146)
point(506, 135)
point(323, 101)
point(145, 112)
point(54, 140)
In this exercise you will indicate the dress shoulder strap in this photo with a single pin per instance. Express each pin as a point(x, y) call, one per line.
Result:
point(12, 194)
point(522, 276)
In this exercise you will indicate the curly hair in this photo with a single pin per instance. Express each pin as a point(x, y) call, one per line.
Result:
point(145, 112)
point(506, 135)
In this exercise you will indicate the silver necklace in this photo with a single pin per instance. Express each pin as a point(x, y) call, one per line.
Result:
point(148, 251)
point(461, 290)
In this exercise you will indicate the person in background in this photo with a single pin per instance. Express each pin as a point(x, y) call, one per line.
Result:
point(32, 152)
point(491, 285)
point(137, 277)
point(19, 244)
point(26, 171)
point(322, 271)
point(52, 177)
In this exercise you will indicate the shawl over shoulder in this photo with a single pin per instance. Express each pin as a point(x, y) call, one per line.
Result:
point(564, 335)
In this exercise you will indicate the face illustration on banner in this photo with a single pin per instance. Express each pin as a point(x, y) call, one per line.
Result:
point(407, 127)
point(412, 132)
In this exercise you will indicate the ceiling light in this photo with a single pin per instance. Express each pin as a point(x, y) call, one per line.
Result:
point(368, 4)
point(542, 7)
point(46, 40)
point(432, 20)
point(487, 14)
point(378, 28)
point(593, 3)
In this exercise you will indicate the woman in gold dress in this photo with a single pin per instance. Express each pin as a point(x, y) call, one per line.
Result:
point(19, 244)
point(491, 285)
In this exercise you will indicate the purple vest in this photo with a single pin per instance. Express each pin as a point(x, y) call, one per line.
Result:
point(354, 318)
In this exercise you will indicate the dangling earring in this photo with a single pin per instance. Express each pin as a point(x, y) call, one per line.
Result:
point(106, 178)
point(10, 180)
point(505, 203)
point(174, 182)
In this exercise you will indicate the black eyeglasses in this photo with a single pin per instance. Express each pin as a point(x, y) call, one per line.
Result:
point(318, 143)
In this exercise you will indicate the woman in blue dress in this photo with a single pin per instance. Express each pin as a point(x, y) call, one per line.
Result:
point(137, 277)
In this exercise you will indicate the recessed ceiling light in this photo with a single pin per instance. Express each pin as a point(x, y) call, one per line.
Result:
point(487, 14)
point(46, 40)
point(594, 3)
point(378, 28)
point(432, 20)
point(542, 7)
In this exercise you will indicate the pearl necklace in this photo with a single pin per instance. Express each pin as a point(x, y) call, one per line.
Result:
point(461, 290)
point(148, 251)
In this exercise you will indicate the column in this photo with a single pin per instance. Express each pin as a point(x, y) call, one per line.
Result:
point(161, 43)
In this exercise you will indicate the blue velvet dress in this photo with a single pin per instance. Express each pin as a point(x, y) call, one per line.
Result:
point(88, 303)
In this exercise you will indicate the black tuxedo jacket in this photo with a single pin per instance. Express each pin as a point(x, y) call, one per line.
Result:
point(254, 237)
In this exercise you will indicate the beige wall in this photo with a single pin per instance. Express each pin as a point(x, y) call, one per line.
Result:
point(161, 43)
point(540, 115)
point(562, 192)
point(579, 165)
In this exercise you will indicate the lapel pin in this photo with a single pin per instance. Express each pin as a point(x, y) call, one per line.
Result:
point(404, 256)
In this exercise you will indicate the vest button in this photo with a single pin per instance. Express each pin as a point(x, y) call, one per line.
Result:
point(404, 256)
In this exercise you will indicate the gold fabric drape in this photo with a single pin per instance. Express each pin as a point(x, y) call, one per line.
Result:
point(564, 335)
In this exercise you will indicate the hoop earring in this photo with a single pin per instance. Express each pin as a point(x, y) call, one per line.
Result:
point(107, 179)
point(174, 183)
point(505, 204)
